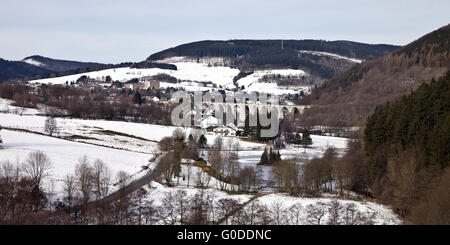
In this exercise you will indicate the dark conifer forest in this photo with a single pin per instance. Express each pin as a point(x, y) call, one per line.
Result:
point(408, 146)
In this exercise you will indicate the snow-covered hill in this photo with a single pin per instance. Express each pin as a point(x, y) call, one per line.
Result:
point(191, 71)
point(335, 56)
point(193, 75)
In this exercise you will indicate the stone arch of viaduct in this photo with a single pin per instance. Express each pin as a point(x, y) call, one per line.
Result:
point(253, 108)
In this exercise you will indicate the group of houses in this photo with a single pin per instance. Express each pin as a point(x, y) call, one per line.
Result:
point(143, 83)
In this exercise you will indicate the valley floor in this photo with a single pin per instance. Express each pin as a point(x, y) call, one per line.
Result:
point(125, 146)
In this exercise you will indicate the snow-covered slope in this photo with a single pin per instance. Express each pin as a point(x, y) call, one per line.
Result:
point(281, 204)
point(192, 71)
point(252, 83)
point(64, 155)
point(335, 56)
point(33, 62)
point(214, 70)
point(258, 74)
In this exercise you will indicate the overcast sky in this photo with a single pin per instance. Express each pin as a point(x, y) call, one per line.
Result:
point(113, 31)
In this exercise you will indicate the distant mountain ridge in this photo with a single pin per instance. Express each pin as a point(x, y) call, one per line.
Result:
point(19, 70)
point(349, 97)
point(270, 54)
point(57, 65)
point(38, 67)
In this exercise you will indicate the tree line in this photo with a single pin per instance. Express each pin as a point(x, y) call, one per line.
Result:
point(79, 103)
point(408, 153)
point(25, 200)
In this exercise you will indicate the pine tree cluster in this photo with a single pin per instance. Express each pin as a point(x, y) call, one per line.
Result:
point(269, 157)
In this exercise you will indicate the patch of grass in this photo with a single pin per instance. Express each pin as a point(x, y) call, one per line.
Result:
point(200, 164)
point(241, 193)
point(252, 141)
point(80, 137)
point(114, 133)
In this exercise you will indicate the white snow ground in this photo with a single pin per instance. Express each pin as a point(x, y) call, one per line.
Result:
point(383, 214)
point(33, 62)
point(64, 155)
point(189, 70)
point(335, 56)
point(221, 76)
point(252, 83)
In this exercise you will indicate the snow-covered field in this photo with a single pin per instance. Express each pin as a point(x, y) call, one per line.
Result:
point(143, 138)
point(138, 137)
point(252, 82)
point(255, 76)
point(65, 154)
point(131, 136)
point(125, 146)
point(283, 203)
point(319, 146)
point(157, 191)
point(192, 71)
point(279, 208)
point(189, 70)
point(335, 56)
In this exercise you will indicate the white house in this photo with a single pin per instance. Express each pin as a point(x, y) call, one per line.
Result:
point(224, 131)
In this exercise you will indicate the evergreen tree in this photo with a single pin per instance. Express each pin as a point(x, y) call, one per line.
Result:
point(264, 157)
point(1, 141)
point(272, 156)
point(191, 138)
point(298, 139)
point(278, 156)
point(202, 141)
point(306, 139)
point(137, 98)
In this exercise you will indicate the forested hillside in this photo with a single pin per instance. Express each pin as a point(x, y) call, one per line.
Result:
point(408, 149)
point(57, 65)
point(35, 67)
point(258, 54)
point(348, 98)
point(19, 70)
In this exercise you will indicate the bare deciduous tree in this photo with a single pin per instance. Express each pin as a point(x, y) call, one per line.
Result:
point(335, 212)
point(294, 214)
point(37, 167)
point(122, 179)
point(83, 175)
point(181, 205)
point(225, 207)
point(50, 126)
point(69, 189)
point(277, 213)
point(101, 179)
point(315, 213)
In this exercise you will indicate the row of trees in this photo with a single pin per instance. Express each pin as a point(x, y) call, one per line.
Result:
point(25, 200)
point(304, 139)
point(222, 156)
point(269, 157)
point(93, 104)
point(317, 213)
point(23, 191)
point(204, 207)
point(329, 173)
